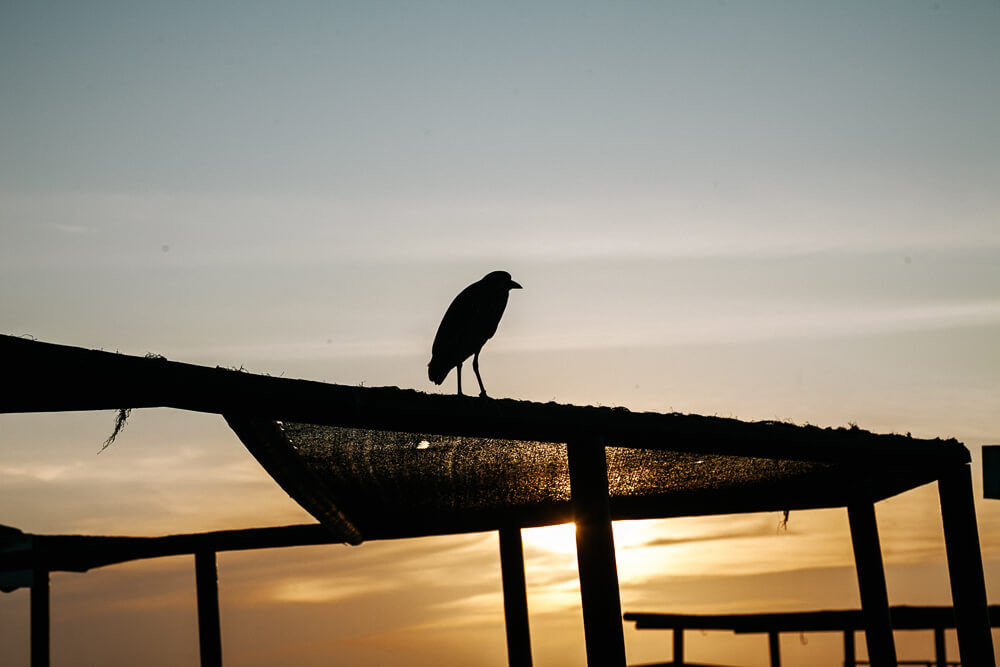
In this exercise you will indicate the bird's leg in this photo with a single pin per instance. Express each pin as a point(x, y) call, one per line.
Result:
point(458, 374)
point(475, 367)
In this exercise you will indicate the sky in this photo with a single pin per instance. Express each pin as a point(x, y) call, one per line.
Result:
point(767, 210)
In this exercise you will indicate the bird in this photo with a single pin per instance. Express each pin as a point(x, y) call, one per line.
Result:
point(469, 322)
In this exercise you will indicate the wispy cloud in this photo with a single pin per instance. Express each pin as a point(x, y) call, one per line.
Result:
point(721, 322)
point(136, 229)
point(71, 229)
point(189, 465)
point(326, 588)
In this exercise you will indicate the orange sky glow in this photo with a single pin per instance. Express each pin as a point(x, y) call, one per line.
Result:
point(754, 210)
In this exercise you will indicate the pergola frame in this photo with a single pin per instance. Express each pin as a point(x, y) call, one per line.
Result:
point(773, 624)
point(55, 378)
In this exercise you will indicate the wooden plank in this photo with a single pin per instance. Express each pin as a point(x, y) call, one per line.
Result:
point(940, 648)
point(515, 597)
point(79, 553)
point(965, 567)
point(991, 471)
point(45, 377)
point(903, 617)
point(774, 648)
point(595, 553)
point(209, 626)
point(871, 584)
point(40, 618)
point(850, 653)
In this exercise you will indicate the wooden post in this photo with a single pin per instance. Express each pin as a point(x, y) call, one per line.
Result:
point(209, 630)
point(39, 617)
point(774, 648)
point(871, 583)
point(850, 655)
point(678, 645)
point(965, 567)
point(595, 553)
point(940, 650)
point(515, 597)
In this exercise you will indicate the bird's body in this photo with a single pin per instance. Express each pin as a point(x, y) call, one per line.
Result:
point(469, 322)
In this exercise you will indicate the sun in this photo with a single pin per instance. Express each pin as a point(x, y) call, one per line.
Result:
point(561, 539)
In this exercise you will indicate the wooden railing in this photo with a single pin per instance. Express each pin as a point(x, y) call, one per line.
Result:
point(846, 621)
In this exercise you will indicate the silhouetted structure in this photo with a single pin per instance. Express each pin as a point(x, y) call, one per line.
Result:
point(385, 463)
point(845, 621)
point(991, 471)
point(470, 321)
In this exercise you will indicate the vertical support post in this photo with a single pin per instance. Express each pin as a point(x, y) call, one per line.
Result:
point(515, 597)
point(774, 648)
point(40, 622)
point(595, 553)
point(940, 650)
point(871, 583)
point(965, 567)
point(850, 655)
point(209, 630)
point(678, 645)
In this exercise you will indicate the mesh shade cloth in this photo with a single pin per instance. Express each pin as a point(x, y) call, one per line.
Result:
point(372, 484)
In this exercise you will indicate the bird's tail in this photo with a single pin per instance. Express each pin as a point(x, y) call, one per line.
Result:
point(437, 371)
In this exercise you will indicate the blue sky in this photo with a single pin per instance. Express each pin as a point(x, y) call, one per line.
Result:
point(764, 210)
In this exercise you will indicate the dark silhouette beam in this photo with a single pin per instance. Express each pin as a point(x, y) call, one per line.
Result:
point(595, 553)
point(871, 583)
point(965, 567)
point(515, 597)
point(40, 618)
point(940, 649)
point(209, 626)
point(850, 654)
point(774, 648)
point(79, 553)
point(52, 378)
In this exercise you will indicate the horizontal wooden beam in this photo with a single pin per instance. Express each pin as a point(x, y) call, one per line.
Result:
point(44, 377)
point(903, 617)
point(79, 553)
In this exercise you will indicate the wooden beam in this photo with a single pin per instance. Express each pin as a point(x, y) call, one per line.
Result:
point(774, 648)
point(515, 597)
point(79, 553)
point(40, 618)
point(903, 618)
point(595, 553)
point(940, 648)
point(991, 471)
point(678, 645)
point(850, 653)
point(45, 377)
point(871, 583)
point(965, 567)
point(209, 627)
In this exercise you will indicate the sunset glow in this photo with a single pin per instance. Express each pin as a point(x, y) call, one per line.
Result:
point(764, 211)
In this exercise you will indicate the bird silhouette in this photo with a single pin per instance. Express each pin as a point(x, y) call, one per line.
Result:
point(469, 322)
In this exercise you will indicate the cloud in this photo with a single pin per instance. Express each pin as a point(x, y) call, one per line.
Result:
point(724, 323)
point(71, 229)
point(257, 230)
point(326, 588)
point(674, 541)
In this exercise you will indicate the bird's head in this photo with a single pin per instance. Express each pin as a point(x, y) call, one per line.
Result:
point(501, 280)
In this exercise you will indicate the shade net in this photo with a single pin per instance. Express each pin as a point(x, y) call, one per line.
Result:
point(386, 484)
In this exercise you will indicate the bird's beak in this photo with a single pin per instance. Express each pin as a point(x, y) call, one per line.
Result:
point(514, 285)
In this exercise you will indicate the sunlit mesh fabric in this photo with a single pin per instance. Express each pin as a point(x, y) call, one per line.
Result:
point(391, 484)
